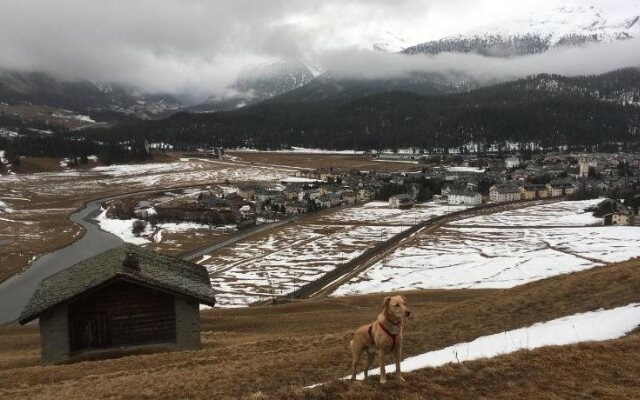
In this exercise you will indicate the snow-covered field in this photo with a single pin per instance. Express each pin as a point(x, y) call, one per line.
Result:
point(301, 150)
point(597, 325)
point(187, 170)
point(278, 263)
point(379, 212)
point(566, 213)
point(257, 269)
point(140, 176)
point(152, 233)
point(479, 252)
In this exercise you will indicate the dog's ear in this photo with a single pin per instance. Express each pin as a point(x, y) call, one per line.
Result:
point(403, 298)
point(386, 302)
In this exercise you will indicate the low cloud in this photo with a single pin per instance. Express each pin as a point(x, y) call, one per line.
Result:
point(199, 46)
point(586, 60)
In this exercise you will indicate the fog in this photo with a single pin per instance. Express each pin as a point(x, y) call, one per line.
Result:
point(199, 46)
point(586, 60)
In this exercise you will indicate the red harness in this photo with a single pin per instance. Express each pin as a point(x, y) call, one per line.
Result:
point(391, 335)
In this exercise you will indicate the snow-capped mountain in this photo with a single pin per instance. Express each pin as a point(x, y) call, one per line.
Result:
point(569, 24)
point(391, 41)
point(261, 82)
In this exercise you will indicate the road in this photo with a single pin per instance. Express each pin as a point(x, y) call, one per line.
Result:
point(328, 283)
point(16, 291)
point(244, 234)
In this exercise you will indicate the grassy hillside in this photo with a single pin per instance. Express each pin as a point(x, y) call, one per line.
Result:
point(272, 352)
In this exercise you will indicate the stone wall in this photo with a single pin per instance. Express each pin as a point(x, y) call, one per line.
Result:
point(187, 324)
point(54, 335)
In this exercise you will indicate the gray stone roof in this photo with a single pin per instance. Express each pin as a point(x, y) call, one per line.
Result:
point(149, 268)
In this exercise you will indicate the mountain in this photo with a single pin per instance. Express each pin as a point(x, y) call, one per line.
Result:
point(83, 96)
point(391, 41)
point(569, 24)
point(546, 109)
point(572, 23)
point(260, 82)
point(329, 89)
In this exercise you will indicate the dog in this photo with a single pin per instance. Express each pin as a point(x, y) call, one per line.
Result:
point(383, 336)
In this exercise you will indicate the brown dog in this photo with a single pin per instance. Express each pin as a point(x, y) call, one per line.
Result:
point(383, 336)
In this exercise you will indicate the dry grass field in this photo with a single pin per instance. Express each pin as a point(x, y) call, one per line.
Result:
point(34, 206)
point(51, 115)
point(274, 352)
point(319, 160)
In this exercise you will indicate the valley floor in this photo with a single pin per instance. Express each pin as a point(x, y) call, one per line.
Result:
point(274, 352)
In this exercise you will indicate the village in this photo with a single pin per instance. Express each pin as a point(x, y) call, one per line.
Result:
point(465, 181)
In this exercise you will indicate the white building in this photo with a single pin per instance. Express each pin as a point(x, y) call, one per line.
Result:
point(504, 193)
point(513, 162)
point(464, 198)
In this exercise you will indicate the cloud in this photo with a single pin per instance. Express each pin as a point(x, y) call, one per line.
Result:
point(199, 46)
point(586, 60)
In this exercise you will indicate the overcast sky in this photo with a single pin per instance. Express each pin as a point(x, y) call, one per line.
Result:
point(198, 45)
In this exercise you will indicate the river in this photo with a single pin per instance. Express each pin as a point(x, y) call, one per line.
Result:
point(16, 291)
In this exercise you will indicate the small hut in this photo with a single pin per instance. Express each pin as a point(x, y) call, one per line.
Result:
point(124, 299)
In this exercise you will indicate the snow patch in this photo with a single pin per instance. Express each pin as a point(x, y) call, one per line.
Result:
point(590, 326)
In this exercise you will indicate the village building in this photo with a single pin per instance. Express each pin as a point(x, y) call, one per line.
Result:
point(504, 193)
point(123, 299)
point(224, 213)
point(263, 195)
point(555, 189)
point(335, 199)
point(248, 191)
point(570, 189)
point(463, 197)
point(329, 189)
point(279, 202)
point(513, 162)
point(622, 217)
point(323, 201)
point(291, 193)
point(584, 164)
point(309, 194)
point(349, 197)
point(296, 207)
point(530, 192)
point(366, 194)
point(401, 201)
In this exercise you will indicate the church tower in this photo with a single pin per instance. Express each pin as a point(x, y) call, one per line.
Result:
point(584, 165)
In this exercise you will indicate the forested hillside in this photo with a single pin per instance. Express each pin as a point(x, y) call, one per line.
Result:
point(550, 110)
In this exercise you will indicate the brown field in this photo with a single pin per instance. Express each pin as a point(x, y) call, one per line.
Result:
point(314, 161)
point(51, 115)
point(41, 202)
point(273, 352)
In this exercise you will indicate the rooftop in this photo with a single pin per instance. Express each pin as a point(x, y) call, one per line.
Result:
point(147, 268)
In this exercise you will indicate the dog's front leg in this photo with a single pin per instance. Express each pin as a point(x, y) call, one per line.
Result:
point(383, 374)
point(397, 354)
